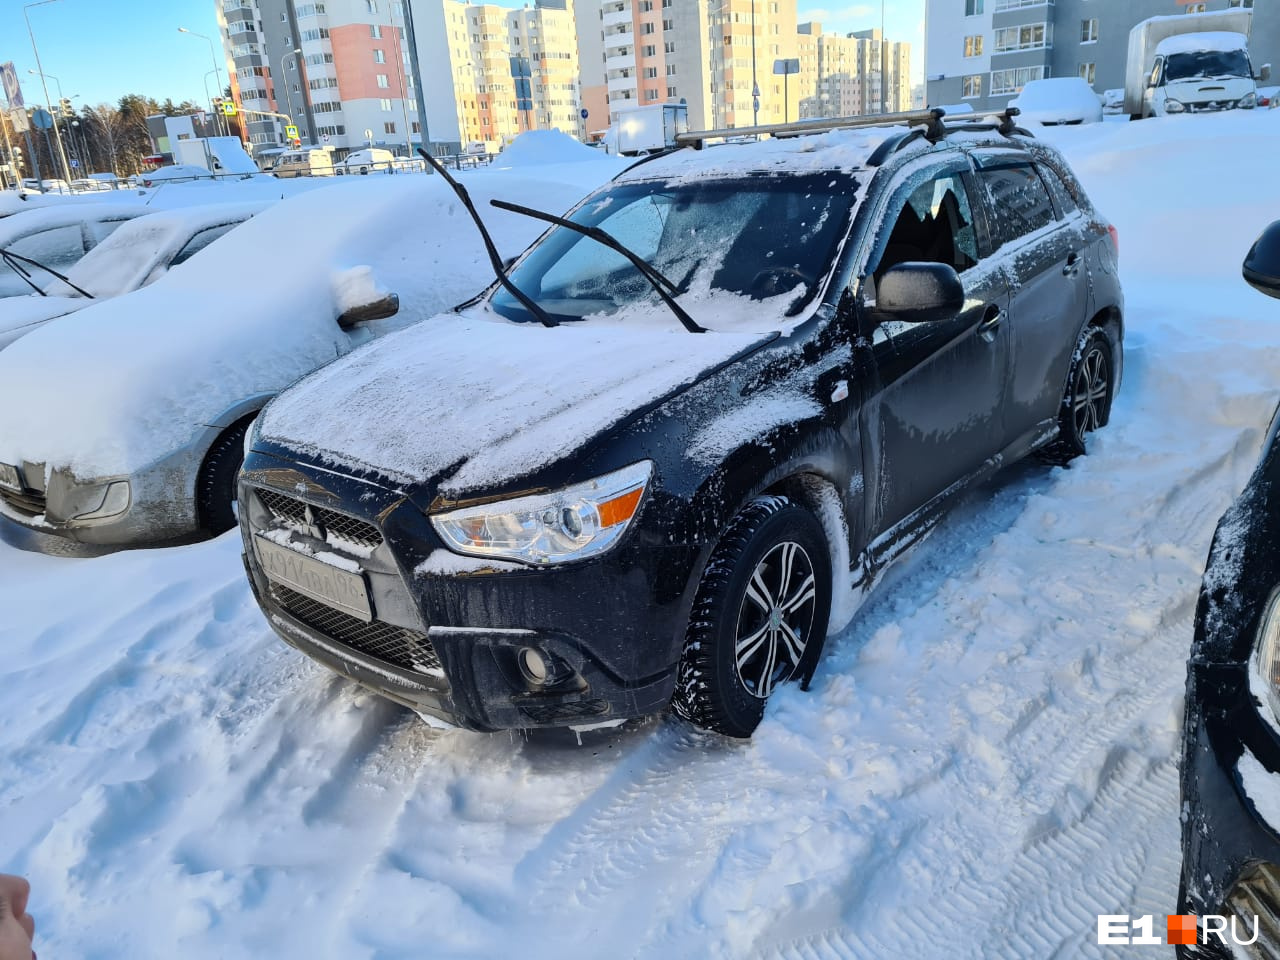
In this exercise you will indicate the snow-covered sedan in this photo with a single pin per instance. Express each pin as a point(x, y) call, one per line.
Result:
point(138, 253)
point(1058, 101)
point(57, 235)
point(1231, 727)
point(141, 440)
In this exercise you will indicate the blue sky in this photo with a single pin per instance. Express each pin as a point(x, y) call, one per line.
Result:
point(103, 49)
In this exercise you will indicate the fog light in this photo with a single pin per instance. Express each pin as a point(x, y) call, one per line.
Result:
point(533, 665)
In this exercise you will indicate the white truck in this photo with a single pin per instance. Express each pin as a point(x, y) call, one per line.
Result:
point(218, 155)
point(1191, 63)
point(647, 129)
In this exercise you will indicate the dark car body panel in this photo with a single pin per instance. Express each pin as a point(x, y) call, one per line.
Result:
point(896, 428)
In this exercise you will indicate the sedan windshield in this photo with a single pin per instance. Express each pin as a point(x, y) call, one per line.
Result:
point(764, 239)
point(1207, 64)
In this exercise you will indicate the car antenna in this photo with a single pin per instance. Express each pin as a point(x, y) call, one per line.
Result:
point(664, 287)
point(494, 258)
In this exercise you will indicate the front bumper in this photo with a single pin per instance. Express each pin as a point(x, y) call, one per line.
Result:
point(449, 633)
point(1230, 852)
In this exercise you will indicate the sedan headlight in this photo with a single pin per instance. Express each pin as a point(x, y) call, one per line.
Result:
point(1174, 106)
point(1267, 659)
point(1248, 101)
point(579, 521)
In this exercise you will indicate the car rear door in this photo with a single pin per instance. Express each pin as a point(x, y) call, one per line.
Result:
point(1041, 247)
point(933, 413)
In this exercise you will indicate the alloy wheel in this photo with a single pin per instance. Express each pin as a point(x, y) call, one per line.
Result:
point(775, 620)
point(1093, 381)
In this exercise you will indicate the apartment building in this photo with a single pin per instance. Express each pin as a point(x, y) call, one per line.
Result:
point(490, 73)
point(842, 77)
point(339, 69)
point(984, 51)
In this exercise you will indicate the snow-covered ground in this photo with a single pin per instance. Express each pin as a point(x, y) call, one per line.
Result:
point(986, 760)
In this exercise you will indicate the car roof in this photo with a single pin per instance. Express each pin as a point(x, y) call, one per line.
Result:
point(65, 214)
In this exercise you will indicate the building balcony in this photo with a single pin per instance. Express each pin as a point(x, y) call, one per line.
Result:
point(614, 19)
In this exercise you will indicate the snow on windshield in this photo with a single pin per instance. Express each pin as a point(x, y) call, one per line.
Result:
point(740, 252)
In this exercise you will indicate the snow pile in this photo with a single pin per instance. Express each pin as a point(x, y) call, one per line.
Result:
point(537, 148)
point(990, 748)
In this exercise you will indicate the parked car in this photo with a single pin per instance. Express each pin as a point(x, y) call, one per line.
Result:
point(1269, 97)
point(141, 440)
point(1058, 101)
point(1231, 727)
point(138, 253)
point(305, 162)
point(57, 235)
point(657, 473)
point(369, 160)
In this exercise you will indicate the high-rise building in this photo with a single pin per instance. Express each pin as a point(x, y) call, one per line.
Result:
point(984, 51)
point(846, 80)
point(339, 70)
point(489, 72)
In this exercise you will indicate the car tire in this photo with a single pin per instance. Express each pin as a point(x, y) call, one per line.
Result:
point(768, 578)
point(216, 482)
point(1086, 402)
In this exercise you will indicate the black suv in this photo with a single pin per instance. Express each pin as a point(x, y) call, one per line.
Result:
point(660, 460)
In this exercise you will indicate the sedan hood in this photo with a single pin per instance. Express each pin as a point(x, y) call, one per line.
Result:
point(20, 315)
point(475, 401)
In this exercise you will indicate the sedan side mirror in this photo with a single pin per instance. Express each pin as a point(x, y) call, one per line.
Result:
point(379, 309)
point(918, 293)
point(1262, 264)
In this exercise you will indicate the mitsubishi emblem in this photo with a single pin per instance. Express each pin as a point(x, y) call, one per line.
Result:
point(313, 527)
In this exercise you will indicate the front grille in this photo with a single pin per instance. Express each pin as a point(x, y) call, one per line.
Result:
point(28, 502)
point(292, 513)
point(1257, 894)
point(398, 646)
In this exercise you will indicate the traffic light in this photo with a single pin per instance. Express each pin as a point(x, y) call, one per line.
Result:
point(65, 106)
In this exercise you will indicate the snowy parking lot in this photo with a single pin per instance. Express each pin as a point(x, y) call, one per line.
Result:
point(986, 761)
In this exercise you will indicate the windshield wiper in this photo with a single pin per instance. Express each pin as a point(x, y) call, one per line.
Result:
point(15, 261)
point(543, 317)
point(659, 283)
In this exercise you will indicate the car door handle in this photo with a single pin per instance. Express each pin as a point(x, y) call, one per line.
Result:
point(991, 321)
point(1072, 269)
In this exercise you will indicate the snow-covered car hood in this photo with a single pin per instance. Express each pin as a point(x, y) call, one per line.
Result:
point(20, 315)
point(1204, 90)
point(475, 400)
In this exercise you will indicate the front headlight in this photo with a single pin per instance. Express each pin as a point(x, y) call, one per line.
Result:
point(579, 521)
point(1266, 661)
point(1173, 106)
point(1248, 101)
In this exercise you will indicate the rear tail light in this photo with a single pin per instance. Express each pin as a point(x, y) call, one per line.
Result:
point(1115, 238)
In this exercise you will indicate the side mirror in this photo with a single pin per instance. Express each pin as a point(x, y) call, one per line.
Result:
point(1264, 74)
point(379, 309)
point(1262, 264)
point(918, 293)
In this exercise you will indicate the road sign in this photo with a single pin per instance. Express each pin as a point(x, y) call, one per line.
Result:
point(786, 67)
point(583, 113)
point(75, 164)
point(12, 88)
point(324, 137)
point(291, 132)
point(41, 119)
point(18, 117)
point(228, 108)
point(368, 135)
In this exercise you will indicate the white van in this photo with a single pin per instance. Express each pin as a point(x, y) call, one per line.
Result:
point(304, 162)
point(368, 160)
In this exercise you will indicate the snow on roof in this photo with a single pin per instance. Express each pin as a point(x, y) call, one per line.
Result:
point(836, 151)
point(137, 372)
point(177, 171)
point(536, 148)
point(1197, 42)
point(63, 214)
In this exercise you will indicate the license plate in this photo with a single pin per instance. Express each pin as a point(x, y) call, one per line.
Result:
point(313, 578)
point(9, 477)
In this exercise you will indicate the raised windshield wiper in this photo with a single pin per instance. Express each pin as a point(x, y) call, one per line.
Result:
point(543, 317)
point(656, 279)
point(15, 261)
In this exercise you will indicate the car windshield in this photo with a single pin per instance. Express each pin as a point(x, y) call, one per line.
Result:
point(1207, 63)
point(766, 239)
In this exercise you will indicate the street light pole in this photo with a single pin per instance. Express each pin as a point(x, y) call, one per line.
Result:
point(755, 87)
point(216, 72)
point(288, 96)
point(884, 70)
point(57, 133)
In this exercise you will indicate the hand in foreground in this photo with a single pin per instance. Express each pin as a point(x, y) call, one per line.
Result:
point(16, 926)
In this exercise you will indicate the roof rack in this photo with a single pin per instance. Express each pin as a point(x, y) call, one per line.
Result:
point(924, 123)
